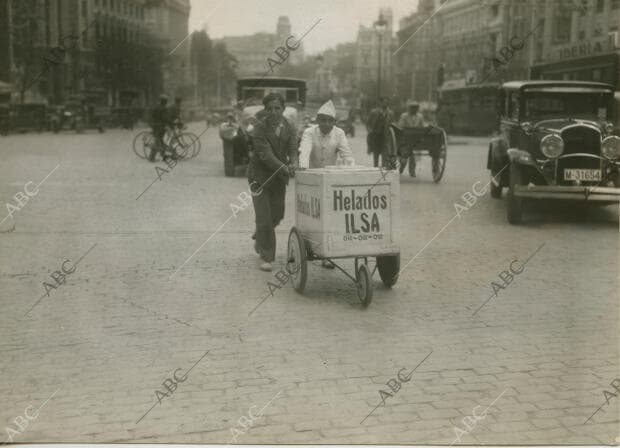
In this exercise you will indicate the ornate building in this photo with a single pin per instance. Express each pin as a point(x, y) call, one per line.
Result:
point(253, 51)
point(416, 54)
point(465, 41)
point(580, 41)
point(122, 47)
point(376, 42)
point(168, 22)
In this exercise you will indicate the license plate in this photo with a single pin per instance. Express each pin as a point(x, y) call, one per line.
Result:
point(582, 175)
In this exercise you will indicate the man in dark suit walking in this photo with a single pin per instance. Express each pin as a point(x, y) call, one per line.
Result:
point(378, 126)
point(273, 162)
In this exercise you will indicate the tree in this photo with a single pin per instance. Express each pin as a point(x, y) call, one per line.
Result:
point(129, 65)
point(215, 68)
point(201, 57)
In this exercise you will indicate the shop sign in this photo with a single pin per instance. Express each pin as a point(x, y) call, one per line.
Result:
point(581, 50)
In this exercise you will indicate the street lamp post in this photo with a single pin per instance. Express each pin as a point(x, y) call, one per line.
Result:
point(380, 26)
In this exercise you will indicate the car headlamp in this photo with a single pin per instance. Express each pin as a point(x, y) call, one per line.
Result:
point(609, 128)
point(552, 146)
point(527, 127)
point(610, 147)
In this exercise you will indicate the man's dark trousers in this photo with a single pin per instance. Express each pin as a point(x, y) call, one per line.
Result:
point(269, 209)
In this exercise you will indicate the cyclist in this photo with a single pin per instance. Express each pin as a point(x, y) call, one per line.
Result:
point(159, 121)
point(175, 124)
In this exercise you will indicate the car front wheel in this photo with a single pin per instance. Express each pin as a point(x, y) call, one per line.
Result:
point(515, 204)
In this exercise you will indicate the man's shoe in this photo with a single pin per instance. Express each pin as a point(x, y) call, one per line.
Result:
point(266, 266)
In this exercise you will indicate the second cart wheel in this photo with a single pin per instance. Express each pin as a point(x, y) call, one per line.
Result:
point(364, 285)
point(439, 162)
point(412, 165)
point(296, 260)
point(389, 268)
point(439, 165)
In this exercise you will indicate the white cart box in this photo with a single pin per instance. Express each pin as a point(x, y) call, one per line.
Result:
point(348, 211)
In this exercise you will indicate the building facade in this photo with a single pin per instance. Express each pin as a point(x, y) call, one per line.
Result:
point(123, 53)
point(416, 54)
point(463, 42)
point(252, 52)
point(168, 20)
point(580, 42)
point(375, 56)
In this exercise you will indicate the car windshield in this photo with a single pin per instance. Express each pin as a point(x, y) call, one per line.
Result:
point(570, 105)
point(254, 96)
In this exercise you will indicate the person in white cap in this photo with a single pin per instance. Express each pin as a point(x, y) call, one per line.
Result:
point(324, 144)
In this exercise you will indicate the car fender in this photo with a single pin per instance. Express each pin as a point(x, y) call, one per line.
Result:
point(497, 152)
point(521, 157)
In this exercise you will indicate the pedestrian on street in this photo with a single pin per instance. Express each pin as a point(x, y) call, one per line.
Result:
point(378, 126)
point(159, 120)
point(272, 163)
point(411, 119)
point(324, 144)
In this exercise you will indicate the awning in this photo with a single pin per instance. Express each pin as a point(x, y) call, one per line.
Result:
point(6, 87)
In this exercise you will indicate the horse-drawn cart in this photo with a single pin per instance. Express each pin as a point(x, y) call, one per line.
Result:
point(413, 143)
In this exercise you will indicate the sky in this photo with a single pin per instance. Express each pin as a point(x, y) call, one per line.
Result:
point(339, 23)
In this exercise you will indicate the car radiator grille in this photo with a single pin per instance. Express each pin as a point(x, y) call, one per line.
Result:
point(584, 140)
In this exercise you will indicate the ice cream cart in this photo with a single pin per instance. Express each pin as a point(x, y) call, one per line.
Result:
point(346, 212)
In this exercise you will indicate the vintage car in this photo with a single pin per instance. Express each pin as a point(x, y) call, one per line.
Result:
point(27, 117)
point(557, 140)
point(5, 119)
point(250, 94)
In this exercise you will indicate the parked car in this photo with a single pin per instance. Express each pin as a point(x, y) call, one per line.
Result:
point(558, 140)
point(60, 118)
point(90, 110)
point(28, 117)
point(5, 119)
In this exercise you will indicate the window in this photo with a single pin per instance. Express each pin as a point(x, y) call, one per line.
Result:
point(562, 26)
point(600, 5)
point(514, 106)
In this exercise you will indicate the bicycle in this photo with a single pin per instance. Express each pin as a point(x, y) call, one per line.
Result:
point(183, 145)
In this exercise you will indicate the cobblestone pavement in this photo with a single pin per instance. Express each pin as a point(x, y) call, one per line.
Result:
point(532, 364)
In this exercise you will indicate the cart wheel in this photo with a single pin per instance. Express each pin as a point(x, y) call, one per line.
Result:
point(439, 163)
point(364, 286)
point(296, 262)
point(412, 165)
point(389, 268)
